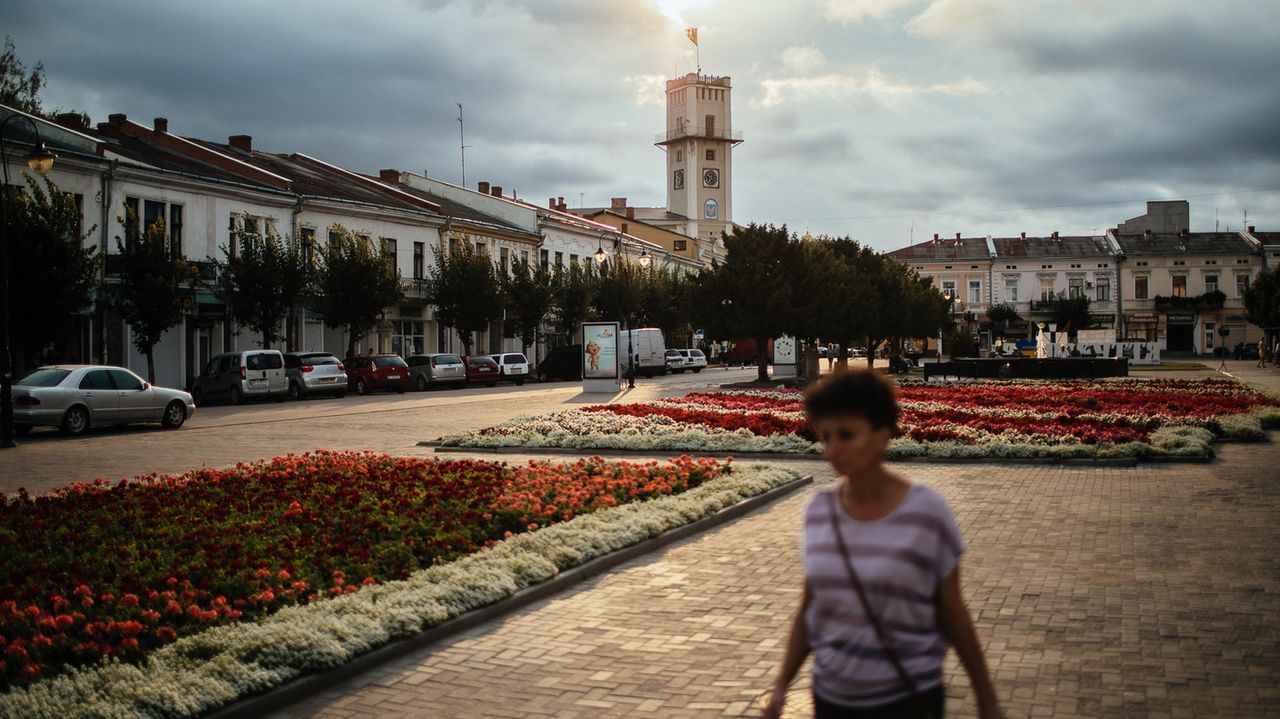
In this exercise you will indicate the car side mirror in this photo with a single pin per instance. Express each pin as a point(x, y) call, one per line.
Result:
point(146, 386)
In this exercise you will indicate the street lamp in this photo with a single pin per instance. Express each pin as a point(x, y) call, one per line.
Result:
point(949, 298)
point(40, 160)
point(645, 258)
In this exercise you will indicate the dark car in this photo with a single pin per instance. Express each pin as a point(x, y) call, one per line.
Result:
point(561, 363)
point(366, 373)
point(482, 368)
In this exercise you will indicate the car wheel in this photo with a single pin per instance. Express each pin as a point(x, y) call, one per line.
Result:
point(236, 396)
point(696, 371)
point(361, 388)
point(340, 395)
point(422, 383)
point(400, 390)
point(174, 415)
point(519, 383)
point(490, 384)
point(22, 429)
point(296, 392)
point(75, 421)
point(197, 396)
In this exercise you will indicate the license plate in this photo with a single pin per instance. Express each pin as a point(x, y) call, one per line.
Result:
point(257, 382)
point(326, 379)
point(515, 370)
point(393, 376)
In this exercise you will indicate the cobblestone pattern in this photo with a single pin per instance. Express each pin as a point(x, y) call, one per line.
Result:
point(1144, 592)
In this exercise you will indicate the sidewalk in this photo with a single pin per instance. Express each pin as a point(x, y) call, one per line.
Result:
point(1144, 592)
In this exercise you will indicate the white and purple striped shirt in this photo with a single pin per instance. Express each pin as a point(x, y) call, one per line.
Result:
point(901, 559)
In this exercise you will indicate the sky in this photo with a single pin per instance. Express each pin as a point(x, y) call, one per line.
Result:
point(883, 120)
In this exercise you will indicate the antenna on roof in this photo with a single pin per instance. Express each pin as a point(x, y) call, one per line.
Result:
point(462, 145)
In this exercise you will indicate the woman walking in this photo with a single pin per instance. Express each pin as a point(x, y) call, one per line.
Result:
point(881, 601)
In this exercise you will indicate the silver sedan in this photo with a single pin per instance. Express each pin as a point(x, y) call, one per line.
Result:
point(77, 397)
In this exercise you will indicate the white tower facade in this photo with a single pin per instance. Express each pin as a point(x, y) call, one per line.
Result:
point(699, 143)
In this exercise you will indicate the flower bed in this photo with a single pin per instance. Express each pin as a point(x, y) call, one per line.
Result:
point(100, 571)
point(1122, 418)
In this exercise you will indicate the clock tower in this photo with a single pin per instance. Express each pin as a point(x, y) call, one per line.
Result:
point(699, 142)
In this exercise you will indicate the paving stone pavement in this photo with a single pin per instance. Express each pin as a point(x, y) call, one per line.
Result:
point(1119, 592)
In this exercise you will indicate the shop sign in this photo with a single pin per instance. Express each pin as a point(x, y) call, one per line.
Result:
point(1181, 318)
point(1142, 318)
point(385, 328)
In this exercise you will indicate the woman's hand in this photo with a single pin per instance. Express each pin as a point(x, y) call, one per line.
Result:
point(777, 699)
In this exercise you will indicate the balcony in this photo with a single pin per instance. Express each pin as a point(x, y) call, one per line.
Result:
point(416, 290)
point(1208, 301)
point(697, 133)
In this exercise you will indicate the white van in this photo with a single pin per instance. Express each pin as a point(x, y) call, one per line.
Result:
point(647, 347)
point(236, 376)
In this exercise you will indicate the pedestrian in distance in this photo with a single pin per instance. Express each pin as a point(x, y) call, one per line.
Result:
point(1262, 354)
point(881, 602)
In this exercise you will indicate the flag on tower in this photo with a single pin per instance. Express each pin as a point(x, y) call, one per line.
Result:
point(692, 32)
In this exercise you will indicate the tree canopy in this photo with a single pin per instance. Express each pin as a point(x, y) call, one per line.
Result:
point(354, 284)
point(262, 280)
point(153, 282)
point(465, 290)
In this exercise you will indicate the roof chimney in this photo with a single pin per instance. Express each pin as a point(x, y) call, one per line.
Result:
point(117, 118)
point(161, 125)
point(957, 237)
point(483, 187)
point(1182, 232)
point(564, 206)
point(631, 213)
point(1023, 235)
point(1251, 229)
point(1055, 234)
point(1147, 232)
point(389, 175)
point(618, 203)
point(495, 190)
point(935, 237)
point(244, 143)
point(72, 120)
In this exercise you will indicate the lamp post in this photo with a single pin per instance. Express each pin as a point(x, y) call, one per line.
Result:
point(40, 160)
point(950, 299)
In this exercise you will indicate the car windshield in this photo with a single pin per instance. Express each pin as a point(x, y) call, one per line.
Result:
point(673, 353)
point(696, 353)
point(392, 361)
point(44, 378)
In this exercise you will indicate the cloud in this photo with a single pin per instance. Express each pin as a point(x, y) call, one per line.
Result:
point(871, 83)
point(802, 60)
point(847, 11)
point(649, 89)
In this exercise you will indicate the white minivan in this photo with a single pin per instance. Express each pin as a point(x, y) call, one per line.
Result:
point(513, 366)
point(236, 376)
point(648, 348)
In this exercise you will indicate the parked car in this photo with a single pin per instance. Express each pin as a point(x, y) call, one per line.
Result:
point(74, 398)
point(694, 360)
point(648, 349)
point(673, 360)
point(433, 370)
point(236, 376)
point(366, 373)
point(315, 373)
point(482, 368)
point(561, 363)
point(513, 366)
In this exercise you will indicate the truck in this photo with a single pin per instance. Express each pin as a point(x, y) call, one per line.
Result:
point(648, 349)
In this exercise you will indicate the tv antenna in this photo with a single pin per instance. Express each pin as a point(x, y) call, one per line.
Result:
point(462, 144)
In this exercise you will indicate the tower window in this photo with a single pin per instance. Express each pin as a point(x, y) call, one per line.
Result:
point(711, 155)
point(711, 125)
point(679, 155)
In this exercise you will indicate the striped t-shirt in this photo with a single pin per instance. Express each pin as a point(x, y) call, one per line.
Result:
point(901, 559)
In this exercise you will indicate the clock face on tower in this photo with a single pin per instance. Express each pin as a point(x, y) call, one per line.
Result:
point(710, 210)
point(710, 177)
point(678, 181)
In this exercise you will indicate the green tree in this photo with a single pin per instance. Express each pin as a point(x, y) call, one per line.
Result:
point(1071, 314)
point(619, 291)
point(1262, 300)
point(48, 264)
point(528, 293)
point(750, 295)
point(153, 282)
point(354, 284)
point(262, 280)
point(853, 304)
point(20, 88)
point(910, 307)
point(464, 289)
point(574, 288)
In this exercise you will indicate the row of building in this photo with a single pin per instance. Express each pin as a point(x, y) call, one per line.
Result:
point(208, 190)
point(1148, 279)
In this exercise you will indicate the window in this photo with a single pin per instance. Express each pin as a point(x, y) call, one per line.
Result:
point(1140, 288)
point(1046, 289)
point(175, 230)
point(407, 337)
point(1179, 285)
point(1242, 284)
point(1209, 327)
point(559, 259)
point(711, 155)
point(388, 247)
point(97, 379)
point(624, 228)
point(524, 257)
point(307, 236)
point(453, 245)
point(1210, 283)
point(542, 258)
point(1075, 287)
point(573, 260)
point(481, 248)
point(1103, 285)
point(250, 225)
point(152, 212)
point(1010, 290)
point(975, 291)
point(679, 155)
point(949, 289)
point(334, 239)
point(419, 259)
point(504, 258)
point(711, 125)
point(125, 381)
point(680, 245)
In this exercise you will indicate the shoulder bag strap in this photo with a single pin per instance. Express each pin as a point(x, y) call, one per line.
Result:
point(871, 615)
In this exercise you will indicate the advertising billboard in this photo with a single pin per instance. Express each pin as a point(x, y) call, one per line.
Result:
point(600, 350)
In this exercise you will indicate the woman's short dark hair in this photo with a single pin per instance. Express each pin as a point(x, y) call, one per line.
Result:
point(859, 393)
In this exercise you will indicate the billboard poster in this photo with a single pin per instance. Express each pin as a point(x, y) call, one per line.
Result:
point(784, 350)
point(600, 350)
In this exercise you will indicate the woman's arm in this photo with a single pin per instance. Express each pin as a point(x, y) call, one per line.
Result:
point(797, 650)
point(957, 627)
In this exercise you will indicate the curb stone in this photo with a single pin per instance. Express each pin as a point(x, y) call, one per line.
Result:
point(309, 685)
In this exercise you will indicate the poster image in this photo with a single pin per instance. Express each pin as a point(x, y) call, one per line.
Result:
point(600, 350)
point(784, 350)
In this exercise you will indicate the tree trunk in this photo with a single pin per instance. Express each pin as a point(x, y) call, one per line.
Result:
point(151, 363)
point(352, 339)
point(762, 360)
point(466, 342)
point(842, 362)
point(266, 340)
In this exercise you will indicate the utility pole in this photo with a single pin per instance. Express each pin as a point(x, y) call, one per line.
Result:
point(462, 144)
